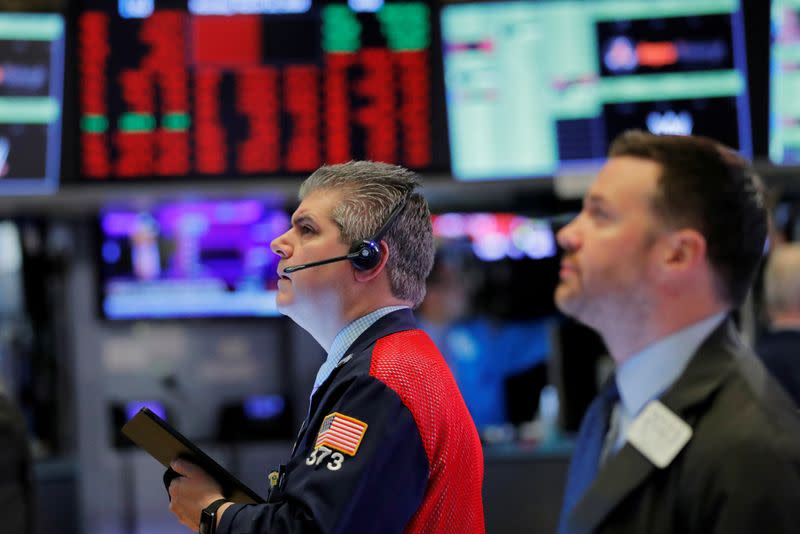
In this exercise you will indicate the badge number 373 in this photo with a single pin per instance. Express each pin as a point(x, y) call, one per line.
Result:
point(321, 454)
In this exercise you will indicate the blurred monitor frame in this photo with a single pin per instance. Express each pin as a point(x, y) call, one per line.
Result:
point(265, 417)
point(189, 259)
point(784, 77)
point(502, 250)
point(32, 57)
point(516, 109)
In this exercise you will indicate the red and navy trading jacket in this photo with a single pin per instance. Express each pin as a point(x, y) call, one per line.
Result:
point(388, 446)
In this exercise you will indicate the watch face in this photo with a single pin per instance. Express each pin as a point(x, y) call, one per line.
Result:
point(207, 522)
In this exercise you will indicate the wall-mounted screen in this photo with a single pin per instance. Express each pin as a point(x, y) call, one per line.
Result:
point(190, 259)
point(541, 88)
point(784, 123)
point(31, 92)
point(222, 88)
point(507, 263)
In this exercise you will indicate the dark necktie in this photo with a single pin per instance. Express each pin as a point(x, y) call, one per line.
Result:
point(588, 446)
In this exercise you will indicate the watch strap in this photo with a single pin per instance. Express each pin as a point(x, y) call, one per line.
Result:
point(208, 517)
point(214, 506)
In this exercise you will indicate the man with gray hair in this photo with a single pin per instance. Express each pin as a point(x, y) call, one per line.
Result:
point(388, 444)
point(780, 347)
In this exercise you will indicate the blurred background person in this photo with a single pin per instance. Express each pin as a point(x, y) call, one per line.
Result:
point(478, 313)
point(779, 347)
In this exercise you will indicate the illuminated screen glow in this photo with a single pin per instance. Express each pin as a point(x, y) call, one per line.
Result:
point(190, 259)
point(784, 123)
point(31, 87)
point(496, 236)
point(221, 88)
point(541, 88)
point(133, 407)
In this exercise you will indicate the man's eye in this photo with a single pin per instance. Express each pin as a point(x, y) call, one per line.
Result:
point(306, 230)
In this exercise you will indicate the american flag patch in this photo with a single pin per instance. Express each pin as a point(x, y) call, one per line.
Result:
point(341, 432)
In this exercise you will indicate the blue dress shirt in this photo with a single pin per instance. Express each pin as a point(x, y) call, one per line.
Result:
point(344, 339)
point(650, 372)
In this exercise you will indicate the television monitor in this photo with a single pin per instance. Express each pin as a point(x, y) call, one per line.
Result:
point(256, 418)
point(218, 88)
point(31, 94)
point(510, 261)
point(541, 88)
point(784, 112)
point(190, 259)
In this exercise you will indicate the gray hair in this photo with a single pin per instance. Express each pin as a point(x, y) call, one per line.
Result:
point(370, 191)
point(782, 279)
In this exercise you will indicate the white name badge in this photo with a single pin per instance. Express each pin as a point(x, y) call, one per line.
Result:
point(659, 434)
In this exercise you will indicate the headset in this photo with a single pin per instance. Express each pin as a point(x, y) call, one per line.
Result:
point(365, 255)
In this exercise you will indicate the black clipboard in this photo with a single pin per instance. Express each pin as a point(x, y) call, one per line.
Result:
point(165, 444)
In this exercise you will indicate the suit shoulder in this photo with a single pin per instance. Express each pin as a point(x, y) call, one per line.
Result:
point(750, 415)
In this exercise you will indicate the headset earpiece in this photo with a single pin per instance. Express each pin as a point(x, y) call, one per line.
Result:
point(368, 255)
point(368, 252)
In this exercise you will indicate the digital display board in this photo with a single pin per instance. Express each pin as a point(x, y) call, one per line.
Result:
point(31, 93)
point(542, 88)
point(190, 259)
point(784, 123)
point(221, 88)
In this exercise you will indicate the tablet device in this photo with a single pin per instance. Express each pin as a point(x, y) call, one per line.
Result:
point(165, 444)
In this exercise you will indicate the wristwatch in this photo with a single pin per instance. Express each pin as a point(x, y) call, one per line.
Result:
point(208, 517)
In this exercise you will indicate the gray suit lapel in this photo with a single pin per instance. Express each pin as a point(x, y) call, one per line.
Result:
point(628, 469)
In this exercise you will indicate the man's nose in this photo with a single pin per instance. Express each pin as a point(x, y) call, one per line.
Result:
point(567, 237)
point(280, 246)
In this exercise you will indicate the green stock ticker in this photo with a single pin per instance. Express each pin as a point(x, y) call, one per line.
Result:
point(405, 26)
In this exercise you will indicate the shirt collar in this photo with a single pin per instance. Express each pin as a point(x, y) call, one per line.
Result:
point(347, 337)
point(653, 370)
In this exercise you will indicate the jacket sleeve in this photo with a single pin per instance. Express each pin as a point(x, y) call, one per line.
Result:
point(377, 489)
point(756, 488)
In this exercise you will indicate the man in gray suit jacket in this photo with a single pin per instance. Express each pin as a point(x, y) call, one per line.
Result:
point(691, 434)
point(16, 490)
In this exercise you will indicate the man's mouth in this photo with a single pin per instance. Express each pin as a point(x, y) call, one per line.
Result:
point(567, 267)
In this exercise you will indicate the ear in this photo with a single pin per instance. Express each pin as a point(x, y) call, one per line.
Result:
point(684, 251)
point(366, 276)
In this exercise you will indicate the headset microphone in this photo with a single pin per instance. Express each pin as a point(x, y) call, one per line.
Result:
point(295, 268)
point(365, 255)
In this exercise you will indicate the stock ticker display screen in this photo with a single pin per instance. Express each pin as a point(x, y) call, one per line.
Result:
point(542, 88)
point(31, 95)
point(225, 88)
point(784, 122)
